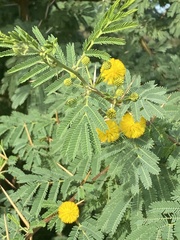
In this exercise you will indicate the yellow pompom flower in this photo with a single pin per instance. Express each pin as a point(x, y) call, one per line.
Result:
point(115, 73)
point(130, 128)
point(68, 212)
point(111, 134)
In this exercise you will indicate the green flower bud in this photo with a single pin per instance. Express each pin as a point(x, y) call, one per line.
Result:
point(106, 65)
point(119, 92)
point(70, 102)
point(134, 96)
point(85, 60)
point(118, 81)
point(111, 113)
point(72, 75)
point(67, 82)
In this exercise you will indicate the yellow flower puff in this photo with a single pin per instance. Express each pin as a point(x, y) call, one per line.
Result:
point(68, 212)
point(111, 134)
point(130, 128)
point(115, 72)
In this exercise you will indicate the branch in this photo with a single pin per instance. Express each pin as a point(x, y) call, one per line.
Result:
point(28, 135)
point(15, 208)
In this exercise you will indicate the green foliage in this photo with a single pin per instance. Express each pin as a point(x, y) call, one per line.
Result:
point(50, 149)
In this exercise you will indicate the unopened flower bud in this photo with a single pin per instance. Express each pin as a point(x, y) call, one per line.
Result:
point(71, 101)
point(119, 92)
point(72, 75)
point(106, 65)
point(85, 60)
point(134, 96)
point(111, 113)
point(67, 82)
point(119, 81)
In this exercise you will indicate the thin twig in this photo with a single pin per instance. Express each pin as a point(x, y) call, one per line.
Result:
point(86, 178)
point(109, 99)
point(94, 76)
point(57, 117)
point(16, 209)
point(72, 199)
point(4, 157)
point(101, 173)
point(127, 90)
point(145, 46)
point(80, 202)
point(46, 12)
point(6, 227)
point(64, 169)
point(68, 69)
point(173, 140)
point(46, 220)
point(10, 183)
point(28, 135)
point(2, 166)
point(47, 9)
point(153, 118)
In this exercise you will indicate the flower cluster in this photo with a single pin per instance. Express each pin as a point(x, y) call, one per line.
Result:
point(130, 128)
point(111, 134)
point(68, 212)
point(114, 73)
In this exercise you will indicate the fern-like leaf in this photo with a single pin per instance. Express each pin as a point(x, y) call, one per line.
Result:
point(165, 207)
point(54, 191)
point(149, 160)
point(95, 143)
point(31, 190)
point(84, 167)
point(31, 61)
point(172, 106)
point(23, 36)
point(96, 117)
point(91, 231)
point(109, 40)
point(86, 147)
point(98, 54)
point(71, 55)
point(71, 144)
point(48, 74)
point(87, 119)
point(66, 187)
point(141, 232)
point(60, 55)
point(114, 211)
point(119, 27)
point(33, 72)
point(38, 200)
point(56, 85)
point(74, 234)
point(145, 177)
point(20, 96)
point(150, 110)
point(38, 35)
point(68, 120)
point(7, 53)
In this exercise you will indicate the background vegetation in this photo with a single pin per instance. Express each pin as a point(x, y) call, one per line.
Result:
point(29, 171)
